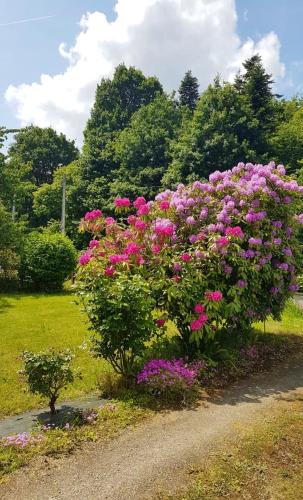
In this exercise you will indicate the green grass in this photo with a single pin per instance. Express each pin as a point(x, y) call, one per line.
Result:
point(36, 322)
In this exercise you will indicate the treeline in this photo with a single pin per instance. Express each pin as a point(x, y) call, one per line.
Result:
point(139, 140)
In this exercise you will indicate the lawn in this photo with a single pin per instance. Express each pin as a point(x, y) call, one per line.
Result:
point(36, 322)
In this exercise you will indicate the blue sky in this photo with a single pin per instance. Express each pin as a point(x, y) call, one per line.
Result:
point(29, 49)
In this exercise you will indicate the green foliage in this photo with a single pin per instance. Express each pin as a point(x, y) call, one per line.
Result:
point(189, 91)
point(116, 101)
point(47, 260)
point(44, 150)
point(120, 312)
point(143, 148)
point(48, 373)
point(287, 143)
point(10, 244)
point(217, 135)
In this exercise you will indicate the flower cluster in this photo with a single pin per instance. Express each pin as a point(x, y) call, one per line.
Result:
point(22, 440)
point(163, 376)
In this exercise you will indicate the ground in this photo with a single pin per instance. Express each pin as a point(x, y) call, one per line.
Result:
point(171, 455)
point(157, 459)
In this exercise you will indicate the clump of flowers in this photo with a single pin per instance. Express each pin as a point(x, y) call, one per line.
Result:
point(170, 378)
point(22, 440)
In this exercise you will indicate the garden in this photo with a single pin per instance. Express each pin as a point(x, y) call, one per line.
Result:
point(172, 296)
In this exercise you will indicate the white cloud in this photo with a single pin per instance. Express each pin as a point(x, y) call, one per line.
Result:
point(161, 37)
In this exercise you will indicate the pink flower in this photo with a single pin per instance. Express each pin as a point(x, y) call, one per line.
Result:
point(94, 214)
point(143, 210)
point(177, 267)
point(156, 249)
point(94, 244)
point(234, 231)
point(164, 227)
point(122, 202)
point(139, 202)
point(109, 271)
point(109, 221)
point(203, 318)
point(132, 248)
point(160, 322)
point(199, 308)
point(222, 241)
point(216, 296)
point(85, 258)
point(140, 260)
point(195, 325)
point(164, 205)
point(140, 225)
point(131, 219)
point(185, 257)
point(116, 258)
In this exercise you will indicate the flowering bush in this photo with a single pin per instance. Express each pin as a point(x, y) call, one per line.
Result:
point(215, 255)
point(170, 378)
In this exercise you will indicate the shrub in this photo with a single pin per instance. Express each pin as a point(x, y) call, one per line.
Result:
point(48, 373)
point(9, 264)
point(120, 312)
point(172, 379)
point(216, 256)
point(47, 260)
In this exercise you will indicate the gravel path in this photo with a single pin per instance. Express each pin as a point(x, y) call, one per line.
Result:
point(160, 454)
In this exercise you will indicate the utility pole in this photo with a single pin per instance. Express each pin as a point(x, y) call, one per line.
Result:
point(63, 204)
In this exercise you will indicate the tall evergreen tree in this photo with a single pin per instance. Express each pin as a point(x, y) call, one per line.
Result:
point(189, 91)
point(256, 86)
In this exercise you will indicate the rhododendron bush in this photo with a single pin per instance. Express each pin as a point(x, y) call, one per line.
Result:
point(215, 255)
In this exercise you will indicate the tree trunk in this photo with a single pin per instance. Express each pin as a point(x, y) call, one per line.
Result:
point(52, 402)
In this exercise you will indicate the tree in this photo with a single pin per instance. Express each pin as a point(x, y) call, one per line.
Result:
point(189, 91)
point(215, 138)
point(287, 143)
point(143, 148)
point(44, 150)
point(256, 86)
point(48, 197)
point(115, 102)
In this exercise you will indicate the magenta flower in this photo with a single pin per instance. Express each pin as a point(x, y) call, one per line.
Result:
point(140, 225)
point(122, 202)
point(156, 249)
point(143, 210)
point(109, 271)
point(199, 308)
point(164, 205)
point(185, 257)
point(132, 248)
point(94, 214)
point(215, 296)
point(139, 202)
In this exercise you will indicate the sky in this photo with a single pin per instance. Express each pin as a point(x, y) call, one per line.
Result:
point(53, 54)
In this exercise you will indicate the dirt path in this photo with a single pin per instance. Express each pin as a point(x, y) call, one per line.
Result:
point(160, 454)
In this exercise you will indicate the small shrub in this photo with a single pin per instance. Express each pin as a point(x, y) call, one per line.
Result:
point(48, 373)
point(47, 260)
point(172, 379)
point(9, 264)
point(121, 313)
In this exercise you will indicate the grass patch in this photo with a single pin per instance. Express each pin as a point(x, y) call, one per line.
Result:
point(266, 463)
point(36, 322)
